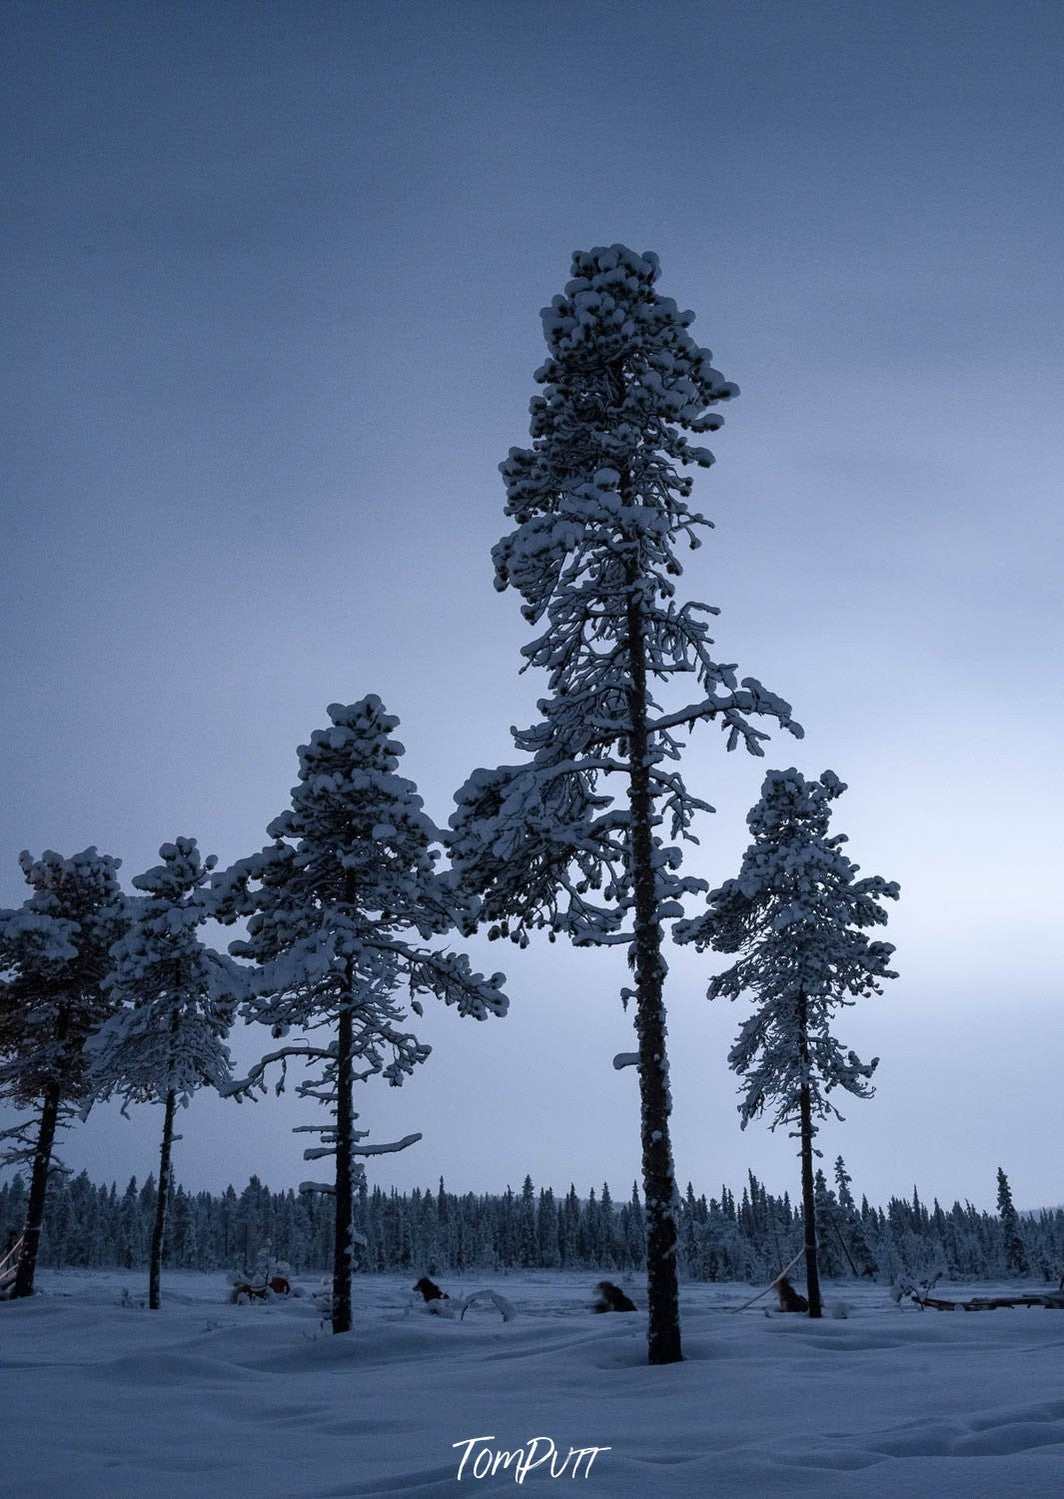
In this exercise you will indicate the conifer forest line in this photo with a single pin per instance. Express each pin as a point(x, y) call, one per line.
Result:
point(727, 1237)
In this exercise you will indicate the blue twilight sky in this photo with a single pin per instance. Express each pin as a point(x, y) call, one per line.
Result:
point(271, 293)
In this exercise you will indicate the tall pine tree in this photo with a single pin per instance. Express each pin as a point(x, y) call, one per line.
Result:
point(864, 1262)
point(797, 914)
point(600, 506)
point(54, 958)
point(1015, 1250)
point(338, 907)
point(177, 999)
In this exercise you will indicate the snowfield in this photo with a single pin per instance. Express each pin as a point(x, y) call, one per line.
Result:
point(207, 1399)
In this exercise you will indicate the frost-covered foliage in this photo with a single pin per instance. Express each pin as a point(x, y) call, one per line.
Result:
point(333, 901)
point(745, 1235)
point(600, 506)
point(339, 908)
point(54, 958)
point(859, 1254)
point(177, 1000)
point(798, 914)
point(1015, 1250)
point(176, 996)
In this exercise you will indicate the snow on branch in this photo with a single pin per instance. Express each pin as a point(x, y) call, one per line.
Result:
point(751, 698)
point(387, 1149)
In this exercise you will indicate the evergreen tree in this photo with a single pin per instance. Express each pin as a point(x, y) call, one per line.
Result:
point(527, 1242)
point(606, 1258)
point(843, 1184)
point(797, 914)
point(920, 1218)
point(506, 1229)
point(227, 1227)
point(636, 1234)
point(54, 957)
point(600, 507)
point(863, 1261)
point(547, 1241)
point(570, 1227)
point(251, 1224)
point(833, 1255)
point(589, 1238)
point(444, 1225)
point(176, 999)
point(132, 1234)
point(332, 904)
point(1015, 1252)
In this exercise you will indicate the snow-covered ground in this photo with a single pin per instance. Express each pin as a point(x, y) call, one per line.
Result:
point(206, 1399)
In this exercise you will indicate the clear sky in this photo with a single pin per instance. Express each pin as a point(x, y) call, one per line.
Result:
point(271, 293)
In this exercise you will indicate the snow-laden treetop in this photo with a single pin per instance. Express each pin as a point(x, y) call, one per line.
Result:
point(797, 916)
point(180, 873)
point(600, 505)
point(359, 825)
point(76, 911)
point(623, 378)
point(610, 304)
point(796, 883)
point(350, 875)
point(161, 955)
point(54, 956)
point(176, 996)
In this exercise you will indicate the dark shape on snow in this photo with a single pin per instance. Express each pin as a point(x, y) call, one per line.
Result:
point(790, 1299)
point(430, 1291)
point(612, 1299)
point(273, 1285)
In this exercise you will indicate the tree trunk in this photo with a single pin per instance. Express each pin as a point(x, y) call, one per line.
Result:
point(805, 1126)
point(42, 1160)
point(342, 1244)
point(162, 1202)
point(162, 1199)
point(659, 1186)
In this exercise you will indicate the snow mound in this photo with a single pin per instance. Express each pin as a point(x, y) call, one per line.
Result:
point(202, 1399)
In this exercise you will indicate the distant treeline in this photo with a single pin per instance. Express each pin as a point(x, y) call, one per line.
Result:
point(749, 1238)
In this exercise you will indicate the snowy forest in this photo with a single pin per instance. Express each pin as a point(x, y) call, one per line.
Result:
point(347, 916)
point(530, 866)
point(725, 1238)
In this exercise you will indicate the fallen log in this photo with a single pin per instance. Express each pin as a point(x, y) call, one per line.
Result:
point(1051, 1299)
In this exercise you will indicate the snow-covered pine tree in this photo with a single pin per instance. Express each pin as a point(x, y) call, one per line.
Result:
point(54, 957)
point(548, 1247)
point(863, 1258)
point(176, 1000)
point(797, 914)
point(833, 1256)
point(606, 1218)
point(338, 905)
point(527, 1248)
point(843, 1186)
point(1015, 1251)
point(600, 507)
